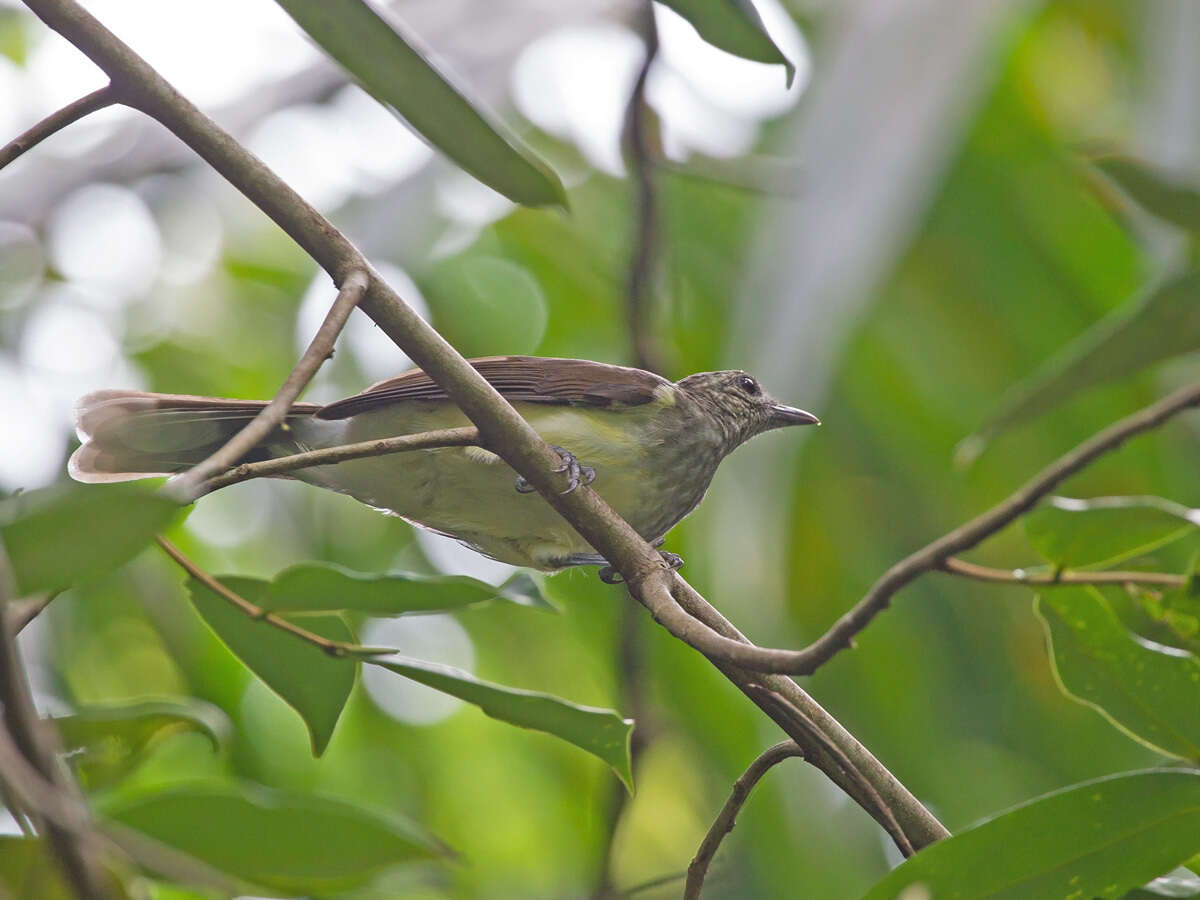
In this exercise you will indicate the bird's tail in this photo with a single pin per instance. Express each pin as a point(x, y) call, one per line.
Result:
point(133, 434)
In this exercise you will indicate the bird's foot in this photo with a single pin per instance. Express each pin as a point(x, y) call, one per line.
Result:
point(576, 474)
point(609, 575)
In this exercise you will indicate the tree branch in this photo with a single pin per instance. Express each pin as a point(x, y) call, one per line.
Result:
point(954, 566)
point(501, 428)
point(467, 436)
point(727, 817)
point(57, 121)
point(186, 487)
point(335, 649)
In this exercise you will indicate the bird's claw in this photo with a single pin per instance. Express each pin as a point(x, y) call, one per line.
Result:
point(673, 560)
point(576, 474)
point(609, 575)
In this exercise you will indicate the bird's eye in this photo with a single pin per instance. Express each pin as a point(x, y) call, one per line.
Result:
point(749, 385)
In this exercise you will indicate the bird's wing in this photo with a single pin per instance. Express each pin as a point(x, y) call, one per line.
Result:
point(529, 379)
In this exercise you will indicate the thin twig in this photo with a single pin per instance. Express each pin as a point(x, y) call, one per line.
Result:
point(643, 253)
point(467, 436)
point(646, 353)
point(252, 611)
point(31, 760)
point(184, 487)
point(955, 566)
point(659, 594)
point(812, 738)
point(57, 121)
point(727, 817)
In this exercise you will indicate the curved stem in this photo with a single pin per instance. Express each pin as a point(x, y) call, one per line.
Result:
point(955, 566)
point(57, 121)
point(727, 817)
point(331, 648)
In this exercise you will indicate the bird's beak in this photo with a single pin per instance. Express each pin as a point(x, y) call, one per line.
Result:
point(782, 416)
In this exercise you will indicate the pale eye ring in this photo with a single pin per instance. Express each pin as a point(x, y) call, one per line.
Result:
point(749, 385)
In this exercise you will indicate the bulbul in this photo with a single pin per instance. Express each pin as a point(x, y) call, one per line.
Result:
point(650, 446)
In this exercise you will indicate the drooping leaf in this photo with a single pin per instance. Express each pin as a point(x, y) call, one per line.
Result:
point(65, 535)
point(282, 840)
point(312, 682)
point(1158, 192)
point(106, 742)
point(735, 27)
point(1096, 839)
point(403, 78)
point(1103, 531)
point(1164, 322)
point(1149, 691)
point(601, 732)
point(323, 587)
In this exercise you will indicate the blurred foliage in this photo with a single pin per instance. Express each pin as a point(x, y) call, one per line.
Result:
point(1017, 258)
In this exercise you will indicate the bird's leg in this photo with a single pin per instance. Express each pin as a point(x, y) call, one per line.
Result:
point(609, 575)
point(576, 474)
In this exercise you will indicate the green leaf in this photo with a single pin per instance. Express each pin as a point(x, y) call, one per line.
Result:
point(322, 587)
point(281, 840)
point(313, 683)
point(735, 27)
point(601, 732)
point(1149, 691)
point(1155, 190)
point(401, 77)
point(65, 535)
point(1096, 839)
point(106, 742)
point(1103, 531)
point(1162, 323)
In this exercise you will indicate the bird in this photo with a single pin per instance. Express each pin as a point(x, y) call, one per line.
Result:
point(649, 446)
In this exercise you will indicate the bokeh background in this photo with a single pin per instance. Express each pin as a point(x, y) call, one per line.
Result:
point(892, 243)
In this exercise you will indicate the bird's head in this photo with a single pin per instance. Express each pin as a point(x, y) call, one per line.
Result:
point(738, 407)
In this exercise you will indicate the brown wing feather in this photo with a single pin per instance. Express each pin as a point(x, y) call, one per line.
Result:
point(528, 379)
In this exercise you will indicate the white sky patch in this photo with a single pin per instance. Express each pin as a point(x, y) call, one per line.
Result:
point(104, 236)
point(433, 638)
point(453, 558)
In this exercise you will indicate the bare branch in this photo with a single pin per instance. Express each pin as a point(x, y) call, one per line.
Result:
point(644, 251)
point(57, 121)
point(185, 487)
point(467, 436)
point(954, 566)
point(22, 612)
point(252, 611)
point(727, 817)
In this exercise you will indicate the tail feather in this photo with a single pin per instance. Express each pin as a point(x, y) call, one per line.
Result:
point(132, 434)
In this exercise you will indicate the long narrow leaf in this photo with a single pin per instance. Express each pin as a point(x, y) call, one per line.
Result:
point(400, 76)
point(600, 732)
point(735, 27)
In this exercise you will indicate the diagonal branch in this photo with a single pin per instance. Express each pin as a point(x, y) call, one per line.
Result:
point(335, 649)
point(727, 817)
point(467, 436)
point(187, 486)
point(57, 121)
